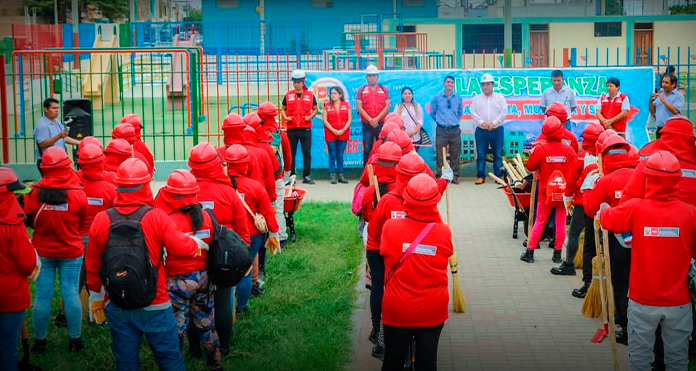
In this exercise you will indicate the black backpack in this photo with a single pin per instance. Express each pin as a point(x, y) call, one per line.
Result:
point(229, 257)
point(127, 272)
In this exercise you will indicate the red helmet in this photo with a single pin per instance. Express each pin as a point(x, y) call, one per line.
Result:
point(397, 120)
point(678, 125)
point(402, 139)
point(389, 151)
point(387, 128)
point(89, 140)
point(632, 158)
point(422, 190)
point(54, 157)
point(267, 111)
point(558, 110)
point(90, 154)
point(252, 119)
point(133, 172)
point(132, 119)
point(614, 141)
point(9, 181)
point(120, 146)
point(125, 131)
point(552, 128)
point(250, 134)
point(599, 144)
point(203, 156)
point(236, 154)
point(410, 164)
point(391, 115)
point(182, 182)
point(662, 164)
point(592, 131)
point(232, 121)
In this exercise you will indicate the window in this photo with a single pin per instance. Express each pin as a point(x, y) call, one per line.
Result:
point(490, 37)
point(408, 28)
point(412, 2)
point(227, 3)
point(643, 26)
point(321, 3)
point(607, 29)
point(539, 27)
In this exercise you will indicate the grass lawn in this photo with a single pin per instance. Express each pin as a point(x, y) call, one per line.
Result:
point(301, 322)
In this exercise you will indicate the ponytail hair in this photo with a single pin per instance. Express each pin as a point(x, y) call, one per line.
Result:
point(53, 196)
point(196, 214)
point(233, 179)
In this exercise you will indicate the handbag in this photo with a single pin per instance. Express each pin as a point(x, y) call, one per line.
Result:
point(259, 220)
point(408, 251)
point(424, 136)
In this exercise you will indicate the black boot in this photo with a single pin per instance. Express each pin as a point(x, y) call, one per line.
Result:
point(75, 345)
point(564, 269)
point(527, 256)
point(622, 337)
point(582, 291)
point(308, 180)
point(341, 179)
point(378, 352)
point(556, 256)
point(39, 346)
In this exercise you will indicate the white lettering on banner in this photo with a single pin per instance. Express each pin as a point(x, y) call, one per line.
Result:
point(555, 159)
point(617, 194)
point(209, 205)
point(61, 207)
point(421, 249)
point(660, 232)
point(689, 173)
point(398, 214)
point(95, 201)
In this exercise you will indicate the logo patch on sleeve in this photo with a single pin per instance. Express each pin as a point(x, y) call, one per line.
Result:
point(555, 159)
point(61, 207)
point(94, 201)
point(660, 232)
point(209, 205)
point(398, 214)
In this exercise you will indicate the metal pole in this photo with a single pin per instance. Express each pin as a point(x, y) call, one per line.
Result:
point(507, 11)
point(55, 12)
point(3, 104)
point(75, 21)
point(604, 8)
point(262, 19)
point(132, 10)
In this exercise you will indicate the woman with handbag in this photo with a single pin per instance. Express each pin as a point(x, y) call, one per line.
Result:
point(337, 117)
point(411, 114)
point(417, 278)
point(260, 214)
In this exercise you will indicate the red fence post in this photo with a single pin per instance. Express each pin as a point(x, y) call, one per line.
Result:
point(3, 105)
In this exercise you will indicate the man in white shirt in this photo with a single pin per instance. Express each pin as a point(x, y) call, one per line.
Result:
point(488, 110)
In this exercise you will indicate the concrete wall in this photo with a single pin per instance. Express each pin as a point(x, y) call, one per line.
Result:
point(441, 37)
point(678, 36)
point(581, 35)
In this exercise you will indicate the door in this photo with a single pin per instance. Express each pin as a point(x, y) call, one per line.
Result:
point(539, 48)
point(643, 43)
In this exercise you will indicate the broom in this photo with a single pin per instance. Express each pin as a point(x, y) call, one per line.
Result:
point(458, 300)
point(577, 262)
point(602, 332)
point(610, 295)
point(591, 306)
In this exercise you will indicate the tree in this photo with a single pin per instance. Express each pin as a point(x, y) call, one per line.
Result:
point(614, 7)
point(683, 9)
point(194, 15)
point(114, 10)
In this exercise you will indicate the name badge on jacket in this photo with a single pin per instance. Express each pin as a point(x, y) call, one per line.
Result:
point(555, 159)
point(689, 173)
point(617, 194)
point(428, 250)
point(203, 233)
point(660, 231)
point(398, 214)
point(209, 205)
point(61, 207)
point(94, 201)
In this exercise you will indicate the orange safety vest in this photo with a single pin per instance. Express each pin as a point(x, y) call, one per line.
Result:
point(298, 108)
point(611, 108)
point(373, 100)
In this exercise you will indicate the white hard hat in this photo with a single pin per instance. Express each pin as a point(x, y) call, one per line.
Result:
point(371, 70)
point(487, 77)
point(297, 75)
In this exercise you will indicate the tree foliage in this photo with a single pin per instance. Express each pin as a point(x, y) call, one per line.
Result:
point(114, 10)
point(194, 15)
point(683, 9)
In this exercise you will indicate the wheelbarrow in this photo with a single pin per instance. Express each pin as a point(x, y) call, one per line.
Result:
point(292, 202)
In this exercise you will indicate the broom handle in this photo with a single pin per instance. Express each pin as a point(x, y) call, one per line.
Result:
point(532, 204)
point(498, 180)
point(610, 297)
point(511, 171)
point(600, 273)
point(373, 180)
point(446, 165)
point(520, 166)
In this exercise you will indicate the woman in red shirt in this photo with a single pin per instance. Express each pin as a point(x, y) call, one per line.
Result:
point(190, 291)
point(337, 117)
point(417, 278)
point(57, 210)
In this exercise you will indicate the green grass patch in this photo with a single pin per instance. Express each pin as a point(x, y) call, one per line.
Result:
point(301, 322)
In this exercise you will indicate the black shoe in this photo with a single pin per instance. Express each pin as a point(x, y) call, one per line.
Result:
point(60, 320)
point(292, 238)
point(224, 351)
point(556, 256)
point(378, 352)
point(308, 180)
point(75, 345)
point(256, 290)
point(581, 292)
point(262, 273)
point(39, 346)
point(622, 337)
point(527, 256)
point(283, 244)
point(241, 311)
point(373, 336)
point(341, 179)
point(564, 269)
point(334, 180)
point(455, 180)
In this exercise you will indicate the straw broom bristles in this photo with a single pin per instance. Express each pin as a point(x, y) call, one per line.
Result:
point(592, 305)
point(458, 300)
point(577, 262)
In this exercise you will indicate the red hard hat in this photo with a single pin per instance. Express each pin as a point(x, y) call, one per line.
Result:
point(389, 151)
point(558, 110)
point(387, 128)
point(236, 154)
point(118, 146)
point(402, 139)
point(203, 156)
point(133, 172)
point(252, 119)
point(552, 128)
point(90, 154)
point(632, 158)
point(182, 182)
point(410, 164)
point(132, 119)
point(397, 120)
point(390, 116)
point(125, 131)
point(678, 125)
point(422, 190)
point(232, 121)
point(267, 110)
point(89, 140)
point(599, 144)
point(614, 141)
point(592, 131)
point(663, 164)
point(54, 157)
point(9, 181)
point(250, 134)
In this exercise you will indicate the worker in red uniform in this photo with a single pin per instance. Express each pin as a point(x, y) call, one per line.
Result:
point(337, 117)
point(546, 158)
point(558, 110)
point(190, 290)
point(416, 297)
point(386, 129)
point(255, 202)
point(216, 193)
point(618, 162)
point(127, 132)
point(373, 104)
point(612, 109)
point(299, 108)
point(138, 145)
point(156, 321)
point(664, 244)
point(117, 151)
point(574, 196)
point(18, 260)
point(250, 136)
point(260, 166)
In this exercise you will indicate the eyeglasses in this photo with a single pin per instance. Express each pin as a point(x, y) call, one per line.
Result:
point(449, 104)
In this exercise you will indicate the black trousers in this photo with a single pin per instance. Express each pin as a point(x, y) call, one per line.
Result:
point(304, 136)
point(658, 132)
point(588, 250)
point(398, 339)
point(448, 137)
point(620, 259)
point(376, 262)
point(370, 134)
point(577, 224)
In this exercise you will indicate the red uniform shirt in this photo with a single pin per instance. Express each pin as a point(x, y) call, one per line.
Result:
point(337, 118)
point(140, 147)
point(373, 101)
point(687, 184)
point(369, 200)
point(176, 265)
point(572, 188)
point(100, 196)
point(17, 262)
point(569, 139)
point(416, 295)
point(226, 206)
point(609, 189)
point(548, 157)
point(57, 227)
point(299, 107)
point(253, 194)
point(287, 155)
point(265, 168)
point(611, 108)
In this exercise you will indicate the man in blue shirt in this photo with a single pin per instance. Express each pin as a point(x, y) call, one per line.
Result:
point(559, 93)
point(446, 109)
point(669, 101)
point(49, 132)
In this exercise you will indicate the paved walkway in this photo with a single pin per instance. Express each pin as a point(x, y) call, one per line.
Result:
point(519, 316)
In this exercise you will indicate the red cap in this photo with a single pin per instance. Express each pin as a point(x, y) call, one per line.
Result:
point(389, 151)
point(402, 139)
point(558, 110)
point(233, 121)
point(410, 164)
point(119, 145)
point(124, 131)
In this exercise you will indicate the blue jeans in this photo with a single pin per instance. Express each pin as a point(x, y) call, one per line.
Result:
point(10, 327)
point(495, 139)
point(159, 326)
point(336, 149)
point(243, 291)
point(69, 277)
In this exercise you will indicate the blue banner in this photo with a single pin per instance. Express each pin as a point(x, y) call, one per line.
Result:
point(522, 89)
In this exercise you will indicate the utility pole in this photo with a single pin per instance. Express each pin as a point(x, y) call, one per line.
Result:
point(507, 12)
point(75, 22)
point(131, 4)
point(55, 12)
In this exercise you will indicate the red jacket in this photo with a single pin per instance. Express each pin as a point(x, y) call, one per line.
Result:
point(568, 139)
point(140, 147)
point(287, 155)
point(57, 227)
point(298, 108)
point(612, 108)
point(159, 231)
point(17, 256)
point(417, 294)
point(663, 243)
point(373, 101)
point(100, 196)
point(176, 265)
point(369, 201)
point(687, 184)
point(572, 187)
point(608, 189)
point(254, 195)
point(260, 168)
point(228, 209)
point(337, 118)
point(548, 157)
